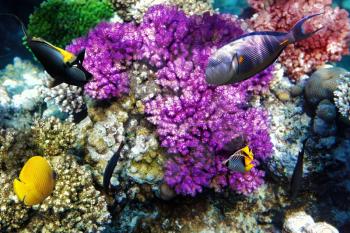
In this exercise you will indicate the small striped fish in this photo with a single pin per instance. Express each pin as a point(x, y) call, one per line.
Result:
point(241, 160)
point(251, 53)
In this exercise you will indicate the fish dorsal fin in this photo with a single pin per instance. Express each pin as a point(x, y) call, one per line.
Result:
point(248, 152)
point(67, 56)
point(78, 60)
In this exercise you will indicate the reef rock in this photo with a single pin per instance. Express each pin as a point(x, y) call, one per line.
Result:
point(322, 84)
point(326, 110)
point(300, 222)
point(75, 204)
point(342, 95)
point(289, 127)
point(107, 126)
point(135, 9)
point(19, 93)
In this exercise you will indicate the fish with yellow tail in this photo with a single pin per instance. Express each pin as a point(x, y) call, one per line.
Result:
point(252, 53)
point(36, 181)
point(241, 160)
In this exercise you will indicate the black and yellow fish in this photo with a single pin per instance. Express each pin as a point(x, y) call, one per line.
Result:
point(36, 181)
point(251, 53)
point(241, 160)
point(62, 65)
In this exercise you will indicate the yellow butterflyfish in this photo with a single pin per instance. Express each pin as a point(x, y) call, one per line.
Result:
point(36, 181)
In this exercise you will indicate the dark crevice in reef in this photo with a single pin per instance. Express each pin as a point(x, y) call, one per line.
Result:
point(10, 31)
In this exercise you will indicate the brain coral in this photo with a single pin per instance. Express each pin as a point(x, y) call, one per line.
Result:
point(60, 21)
point(329, 44)
point(193, 120)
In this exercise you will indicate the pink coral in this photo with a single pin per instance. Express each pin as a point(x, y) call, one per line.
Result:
point(329, 44)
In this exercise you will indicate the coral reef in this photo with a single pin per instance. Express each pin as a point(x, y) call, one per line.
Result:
point(135, 9)
point(322, 84)
point(320, 94)
point(185, 118)
point(342, 95)
point(259, 212)
point(300, 222)
point(75, 204)
point(19, 94)
point(13, 215)
point(326, 110)
point(329, 44)
point(147, 160)
point(107, 126)
point(60, 21)
point(108, 59)
point(15, 148)
point(187, 109)
point(289, 125)
point(53, 137)
point(67, 98)
point(74, 186)
point(149, 92)
point(142, 160)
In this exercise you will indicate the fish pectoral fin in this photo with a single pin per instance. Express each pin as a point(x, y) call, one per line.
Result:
point(285, 42)
point(55, 83)
point(235, 63)
point(240, 59)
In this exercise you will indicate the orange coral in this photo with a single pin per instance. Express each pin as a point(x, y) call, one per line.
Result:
point(300, 58)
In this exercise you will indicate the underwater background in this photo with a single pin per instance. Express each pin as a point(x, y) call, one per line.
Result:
point(140, 142)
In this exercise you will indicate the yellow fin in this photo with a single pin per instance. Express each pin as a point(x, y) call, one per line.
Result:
point(240, 59)
point(67, 56)
point(249, 167)
point(248, 152)
point(36, 180)
point(285, 42)
point(248, 158)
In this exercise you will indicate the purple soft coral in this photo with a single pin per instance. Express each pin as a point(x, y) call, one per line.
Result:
point(246, 183)
point(110, 49)
point(193, 120)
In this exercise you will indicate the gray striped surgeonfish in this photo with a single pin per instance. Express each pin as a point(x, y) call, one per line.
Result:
point(251, 53)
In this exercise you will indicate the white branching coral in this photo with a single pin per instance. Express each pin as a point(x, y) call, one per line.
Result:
point(342, 95)
point(68, 98)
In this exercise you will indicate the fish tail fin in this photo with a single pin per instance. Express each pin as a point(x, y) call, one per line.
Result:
point(297, 33)
point(19, 20)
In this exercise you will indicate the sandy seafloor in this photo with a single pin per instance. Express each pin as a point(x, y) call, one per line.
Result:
point(149, 92)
